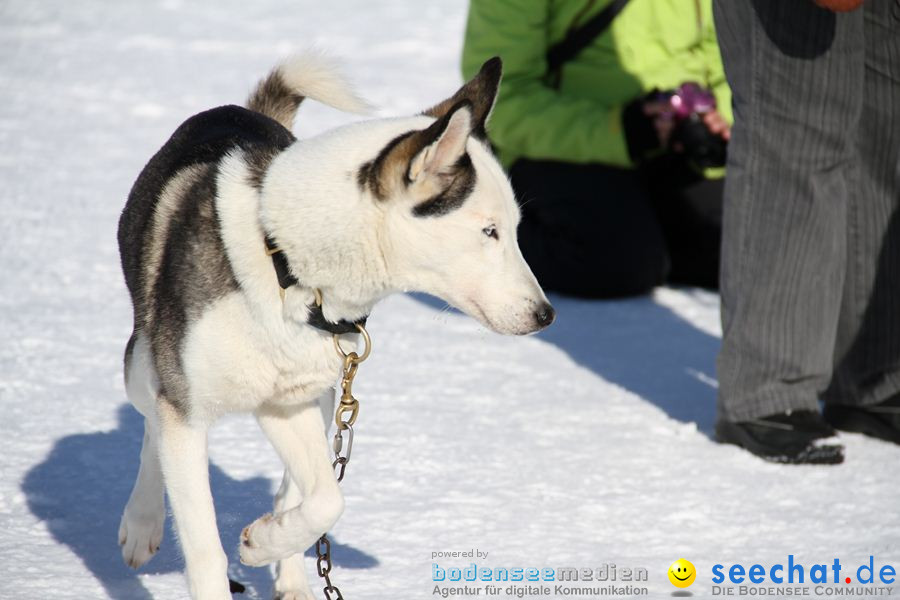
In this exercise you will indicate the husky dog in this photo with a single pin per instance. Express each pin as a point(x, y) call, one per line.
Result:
point(359, 212)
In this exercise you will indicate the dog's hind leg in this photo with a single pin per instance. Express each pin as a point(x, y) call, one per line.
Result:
point(183, 456)
point(290, 573)
point(141, 527)
point(298, 435)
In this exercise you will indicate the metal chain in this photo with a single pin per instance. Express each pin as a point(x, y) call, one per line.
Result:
point(323, 566)
point(344, 418)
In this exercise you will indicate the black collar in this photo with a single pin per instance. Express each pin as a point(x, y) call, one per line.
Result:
point(316, 317)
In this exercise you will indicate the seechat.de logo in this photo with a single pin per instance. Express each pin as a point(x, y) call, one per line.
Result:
point(682, 573)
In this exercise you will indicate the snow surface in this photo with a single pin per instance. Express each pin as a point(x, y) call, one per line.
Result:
point(589, 444)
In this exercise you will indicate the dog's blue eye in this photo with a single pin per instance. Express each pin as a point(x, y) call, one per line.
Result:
point(491, 232)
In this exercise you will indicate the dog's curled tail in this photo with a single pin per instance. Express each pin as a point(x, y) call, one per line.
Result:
point(308, 75)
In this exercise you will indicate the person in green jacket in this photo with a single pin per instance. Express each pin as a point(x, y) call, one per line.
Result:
point(617, 194)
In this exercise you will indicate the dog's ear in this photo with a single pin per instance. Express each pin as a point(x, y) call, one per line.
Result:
point(427, 161)
point(481, 91)
point(442, 144)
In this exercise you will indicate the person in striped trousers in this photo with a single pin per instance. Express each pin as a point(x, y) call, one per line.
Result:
point(810, 274)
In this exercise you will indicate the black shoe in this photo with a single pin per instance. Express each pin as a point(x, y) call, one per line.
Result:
point(880, 420)
point(784, 438)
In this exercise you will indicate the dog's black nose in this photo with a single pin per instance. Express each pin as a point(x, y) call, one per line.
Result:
point(544, 315)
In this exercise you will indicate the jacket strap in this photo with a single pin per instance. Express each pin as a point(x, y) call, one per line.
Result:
point(580, 38)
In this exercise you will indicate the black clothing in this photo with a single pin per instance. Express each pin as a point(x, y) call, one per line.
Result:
point(603, 232)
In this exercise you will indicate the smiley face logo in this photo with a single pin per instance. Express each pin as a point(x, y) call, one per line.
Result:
point(682, 573)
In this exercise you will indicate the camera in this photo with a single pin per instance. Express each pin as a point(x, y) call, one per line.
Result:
point(687, 105)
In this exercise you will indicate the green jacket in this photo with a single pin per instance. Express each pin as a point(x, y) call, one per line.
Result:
point(650, 44)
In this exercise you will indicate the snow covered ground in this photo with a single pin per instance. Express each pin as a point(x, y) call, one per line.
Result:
point(587, 445)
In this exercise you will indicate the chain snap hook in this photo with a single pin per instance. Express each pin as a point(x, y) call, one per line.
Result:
point(344, 418)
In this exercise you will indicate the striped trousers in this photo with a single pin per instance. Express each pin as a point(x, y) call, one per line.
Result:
point(810, 272)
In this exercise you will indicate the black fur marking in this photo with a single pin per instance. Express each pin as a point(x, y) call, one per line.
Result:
point(204, 138)
point(365, 177)
point(394, 159)
point(194, 272)
point(194, 269)
point(258, 160)
point(481, 91)
point(461, 178)
point(371, 175)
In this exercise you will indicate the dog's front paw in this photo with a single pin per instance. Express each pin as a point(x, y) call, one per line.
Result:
point(140, 537)
point(261, 542)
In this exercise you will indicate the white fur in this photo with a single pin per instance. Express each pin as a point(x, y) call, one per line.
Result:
point(317, 76)
point(141, 528)
point(362, 248)
point(252, 352)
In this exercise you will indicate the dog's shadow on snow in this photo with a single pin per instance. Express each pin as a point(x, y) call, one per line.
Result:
point(641, 346)
point(80, 490)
